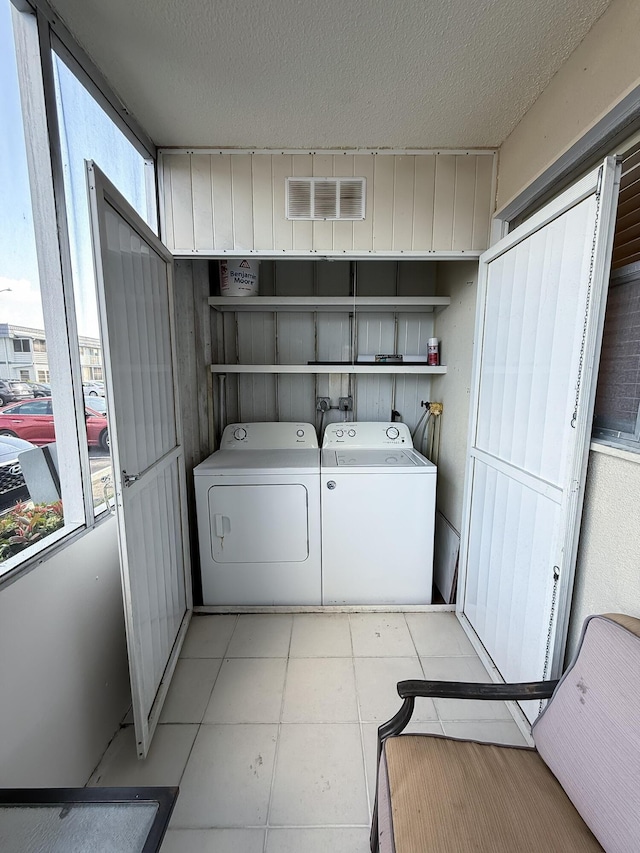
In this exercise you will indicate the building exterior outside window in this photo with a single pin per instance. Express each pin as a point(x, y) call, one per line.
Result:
point(23, 355)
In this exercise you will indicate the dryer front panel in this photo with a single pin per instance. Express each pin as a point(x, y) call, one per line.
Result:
point(259, 523)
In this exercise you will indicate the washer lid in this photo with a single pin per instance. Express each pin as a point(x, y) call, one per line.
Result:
point(375, 460)
point(248, 462)
point(386, 458)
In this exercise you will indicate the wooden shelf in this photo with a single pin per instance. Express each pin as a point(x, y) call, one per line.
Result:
point(328, 368)
point(409, 304)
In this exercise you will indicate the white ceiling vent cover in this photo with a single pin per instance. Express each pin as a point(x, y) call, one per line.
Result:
point(325, 198)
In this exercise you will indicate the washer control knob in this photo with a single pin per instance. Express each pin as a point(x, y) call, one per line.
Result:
point(339, 433)
point(351, 433)
point(393, 432)
point(240, 434)
point(331, 484)
point(300, 433)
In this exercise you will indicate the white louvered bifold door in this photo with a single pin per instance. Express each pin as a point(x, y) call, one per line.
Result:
point(134, 275)
point(541, 299)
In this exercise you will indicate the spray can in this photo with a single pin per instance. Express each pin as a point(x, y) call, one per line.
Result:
point(433, 353)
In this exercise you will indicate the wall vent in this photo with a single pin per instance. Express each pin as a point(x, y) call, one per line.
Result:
point(325, 198)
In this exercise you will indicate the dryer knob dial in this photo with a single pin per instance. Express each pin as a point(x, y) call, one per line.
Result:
point(300, 433)
point(240, 434)
point(351, 433)
point(331, 484)
point(393, 432)
point(339, 433)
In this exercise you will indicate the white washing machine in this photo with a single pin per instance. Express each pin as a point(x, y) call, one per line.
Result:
point(378, 515)
point(258, 510)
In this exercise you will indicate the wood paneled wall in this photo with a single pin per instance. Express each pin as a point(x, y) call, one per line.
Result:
point(224, 202)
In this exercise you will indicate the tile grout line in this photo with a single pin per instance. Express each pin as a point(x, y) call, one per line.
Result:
point(362, 745)
point(184, 769)
point(267, 826)
point(424, 676)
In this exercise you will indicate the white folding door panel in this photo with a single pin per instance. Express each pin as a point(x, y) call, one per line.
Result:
point(542, 293)
point(134, 275)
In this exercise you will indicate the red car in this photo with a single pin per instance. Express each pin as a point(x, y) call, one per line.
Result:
point(33, 421)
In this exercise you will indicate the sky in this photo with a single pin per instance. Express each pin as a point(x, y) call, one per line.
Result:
point(18, 264)
point(86, 133)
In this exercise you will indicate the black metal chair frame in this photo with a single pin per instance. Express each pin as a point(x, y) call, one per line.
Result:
point(412, 689)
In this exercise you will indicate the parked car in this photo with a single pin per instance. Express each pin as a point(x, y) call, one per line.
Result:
point(12, 390)
point(97, 404)
point(33, 421)
point(94, 389)
point(12, 485)
point(38, 389)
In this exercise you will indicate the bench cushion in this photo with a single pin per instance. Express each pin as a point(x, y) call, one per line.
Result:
point(454, 796)
point(589, 733)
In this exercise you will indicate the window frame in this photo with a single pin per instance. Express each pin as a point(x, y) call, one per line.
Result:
point(604, 435)
point(37, 31)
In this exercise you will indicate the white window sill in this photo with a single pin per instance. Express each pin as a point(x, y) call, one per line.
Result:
point(32, 556)
point(22, 563)
point(600, 446)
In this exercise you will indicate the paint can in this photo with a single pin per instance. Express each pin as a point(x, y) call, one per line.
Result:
point(433, 352)
point(239, 277)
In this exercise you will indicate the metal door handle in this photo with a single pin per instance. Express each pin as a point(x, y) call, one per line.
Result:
point(331, 484)
point(129, 479)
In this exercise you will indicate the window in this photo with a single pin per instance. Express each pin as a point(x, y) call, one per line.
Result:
point(616, 418)
point(24, 376)
point(20, 297)
point(33, 407)
point(87, 133)
point(29, 218)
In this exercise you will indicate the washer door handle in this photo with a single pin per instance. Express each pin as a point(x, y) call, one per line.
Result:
point(331, 484)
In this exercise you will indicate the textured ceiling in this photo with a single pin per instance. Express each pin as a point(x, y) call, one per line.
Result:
point(337, 74)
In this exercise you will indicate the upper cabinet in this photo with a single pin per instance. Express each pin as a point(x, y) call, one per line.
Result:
point(428, 204)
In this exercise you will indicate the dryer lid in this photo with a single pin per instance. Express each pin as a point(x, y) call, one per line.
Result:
point(249, 462)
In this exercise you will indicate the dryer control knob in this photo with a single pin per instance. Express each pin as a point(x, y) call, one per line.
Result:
point(240, 434)
point(331, 484)
point(300, 433)
point(351, 432)
point(339, 433)
point(393, 432)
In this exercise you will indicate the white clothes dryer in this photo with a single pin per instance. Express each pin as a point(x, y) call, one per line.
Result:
point(378, 516)
point(258, 511)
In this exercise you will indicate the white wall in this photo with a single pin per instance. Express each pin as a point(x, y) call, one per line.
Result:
point(64, 684)
point(215, 202)
point(608, 570)
point(455, 329)
point(600, 72)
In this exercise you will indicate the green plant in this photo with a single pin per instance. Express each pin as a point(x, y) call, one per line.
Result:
point(26, 524)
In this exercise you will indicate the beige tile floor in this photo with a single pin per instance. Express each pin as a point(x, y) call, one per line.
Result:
point(270, 725)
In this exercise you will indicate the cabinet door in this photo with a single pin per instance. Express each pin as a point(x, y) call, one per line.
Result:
point(135, 294)
point(541, 301)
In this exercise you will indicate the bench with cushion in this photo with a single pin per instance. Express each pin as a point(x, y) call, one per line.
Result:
point(577, 790)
